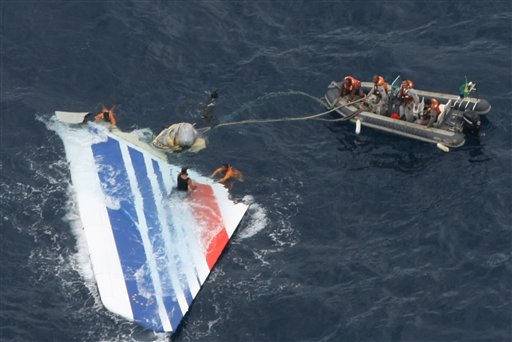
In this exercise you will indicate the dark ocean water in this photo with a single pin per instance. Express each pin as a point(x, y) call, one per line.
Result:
point(350, 237)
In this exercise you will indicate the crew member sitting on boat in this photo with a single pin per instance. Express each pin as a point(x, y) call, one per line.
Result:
point(183, 182)
point(378, 97)
point(106, 115)
point(230, 175)
point(431, 113)
point(351, 86)
point(409, 101)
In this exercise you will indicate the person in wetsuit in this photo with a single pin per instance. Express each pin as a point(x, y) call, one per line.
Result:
point(184, 183)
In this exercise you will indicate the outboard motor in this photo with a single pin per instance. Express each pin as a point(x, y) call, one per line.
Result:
point(471, 123)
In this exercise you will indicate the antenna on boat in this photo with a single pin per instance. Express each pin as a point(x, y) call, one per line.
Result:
point(393, 86)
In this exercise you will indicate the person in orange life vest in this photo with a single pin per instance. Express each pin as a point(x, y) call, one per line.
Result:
point(429, 114)
point(408, 99)
point(432, 112)
point(183, 182)
point(379, 95)
point(351, 85)
point(106, 114)
point(230, 175)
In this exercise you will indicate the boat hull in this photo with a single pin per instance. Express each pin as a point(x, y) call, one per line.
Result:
point(449, 132)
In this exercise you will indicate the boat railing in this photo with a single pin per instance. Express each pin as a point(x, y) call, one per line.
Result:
point(465, 102)
point(476, 102)
point(448, 106)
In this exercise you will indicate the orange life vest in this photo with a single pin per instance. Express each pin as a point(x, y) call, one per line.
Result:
point(380, 83)
point(404, 97)
point(110, 117)
point(354, 83)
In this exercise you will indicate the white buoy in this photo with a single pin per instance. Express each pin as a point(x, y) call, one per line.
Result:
point(358, 126)
point(442, 147)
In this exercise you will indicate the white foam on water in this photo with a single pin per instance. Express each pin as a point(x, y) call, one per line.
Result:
point(258, 219)
point(279, 231)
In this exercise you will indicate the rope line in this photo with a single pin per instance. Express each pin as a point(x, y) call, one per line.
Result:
point(344, 118)
point(260, 100)
point(300, 118)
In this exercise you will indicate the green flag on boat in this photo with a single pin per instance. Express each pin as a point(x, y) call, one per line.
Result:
point(464, 88)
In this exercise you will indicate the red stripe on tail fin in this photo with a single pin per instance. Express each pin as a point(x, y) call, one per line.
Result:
point(207, 213)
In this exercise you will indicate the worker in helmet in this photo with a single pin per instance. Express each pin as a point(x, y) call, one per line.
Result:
point(351, 86)
point(378, 97)
point(408, 100)
point(432, 112)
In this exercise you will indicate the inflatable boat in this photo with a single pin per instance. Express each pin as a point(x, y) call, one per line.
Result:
point(458, 117)
point(151, 248)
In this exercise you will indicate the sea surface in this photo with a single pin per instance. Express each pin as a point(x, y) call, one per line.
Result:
point(349, 237)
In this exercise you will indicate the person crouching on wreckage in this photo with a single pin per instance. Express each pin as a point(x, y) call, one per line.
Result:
point(106, 115)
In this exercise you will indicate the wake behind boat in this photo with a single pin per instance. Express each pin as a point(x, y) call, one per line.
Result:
point(455, 118)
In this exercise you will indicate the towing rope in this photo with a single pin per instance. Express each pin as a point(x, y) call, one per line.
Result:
point(300, 118)
point(264, 98)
